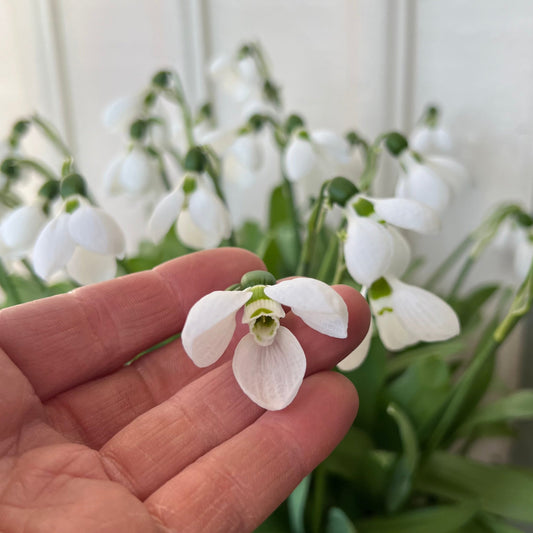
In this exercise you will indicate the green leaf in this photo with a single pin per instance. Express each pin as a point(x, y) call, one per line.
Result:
point(448, 350)
point(438, 519)
point(468, 308)
point(496, 489)
point(422, 390)
point(402, 474)
point(273, 258)
point(296, 505)
point(279, 209)
point(338, 522)
point(518, 405)
point(250, 235)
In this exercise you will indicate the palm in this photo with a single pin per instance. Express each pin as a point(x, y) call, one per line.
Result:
point(88, 444)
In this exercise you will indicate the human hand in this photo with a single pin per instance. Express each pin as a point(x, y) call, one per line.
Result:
point(90, 445)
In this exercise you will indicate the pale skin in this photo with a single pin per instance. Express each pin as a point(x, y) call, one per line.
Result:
point(88, 444)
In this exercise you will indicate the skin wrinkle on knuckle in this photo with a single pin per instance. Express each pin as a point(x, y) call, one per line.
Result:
point(116, 471)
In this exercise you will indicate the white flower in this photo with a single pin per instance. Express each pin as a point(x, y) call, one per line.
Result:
point(405, 314)
point(132, 174)
point(428, 140)
point(202, 219)
point(321, 152)
point(269, 363)
point(431, 181)
point(237, 77)
point(373, 247)
point(120, 113)
point(85, 242)
point(19, 229)
point(358, 356)
point(523, 254)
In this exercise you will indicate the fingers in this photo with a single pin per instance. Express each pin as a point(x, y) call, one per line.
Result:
point(235, 486)
point(210, 410)
point(65, 340)
point(95, 411)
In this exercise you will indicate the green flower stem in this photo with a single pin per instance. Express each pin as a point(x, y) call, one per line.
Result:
point(8, 286)
point(463, 273)
point(178, 95)
point(448, 263)
point(341, 265)
point(176, 155)
point(329, 257)
point(43, 170)
point(27, 265)
point(52, 134)
point(313, 227)
point(295, 221)
point(162, 170)
point(319, 490)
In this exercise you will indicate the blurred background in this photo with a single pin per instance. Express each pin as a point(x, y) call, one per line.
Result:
point(371, 65)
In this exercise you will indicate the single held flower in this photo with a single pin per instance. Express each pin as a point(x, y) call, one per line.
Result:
point(269, 363)
point(373, 247)
point(318, 152)
point(19, 230)
point(405, 314)
point(85, 242)
point(202, 220)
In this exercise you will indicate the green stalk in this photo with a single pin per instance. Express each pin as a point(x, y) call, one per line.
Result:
point(449, 262)
point(8, 286)
point(319, 490)
point(313, 227)
point(329, 257)
point(162, 170)
point(42, 285)
point(38, 167)
point(52, 134)
point(178, 94)
point(341, 265)
point(463, 273)
point(295, 221)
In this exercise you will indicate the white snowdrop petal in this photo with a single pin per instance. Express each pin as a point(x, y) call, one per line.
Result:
point(193, 236)
point(426, 140)
point(20, 227)
point(270, 375)
point(95, 230)
point(136, 171)
point(401, 254)
point(53, 248)
point(248, 150)
point(299, 158)
point(392, 332)
point(367, 250)
point(117, 114)
point(408, 214)
point(523, 256)
point(248, 70)
point(209, 213)
point(423, 313)
point(315, 302)
point(426, 187)
point(451, 171)
point(111, 179)
point(220, 139)
point(332, 144)
point(86, 267)
point(165, 214)
point(210, 325)
point(358, 356)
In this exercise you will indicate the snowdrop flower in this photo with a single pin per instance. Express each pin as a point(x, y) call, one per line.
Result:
point(321, 152)
point(358, 356)
point(202, 219)
point(431, 180)
point(405, 314)
point(238, 77)
point(132, 174)
point(85, 242)
point(428, 140)
point(19, 230)
point(120, 113)
point(269, 363)
point(373, 247)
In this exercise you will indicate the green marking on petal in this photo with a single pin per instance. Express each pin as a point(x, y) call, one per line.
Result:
point(261, 311)
point(385, 310)
point(258, 293)
point(379, 289)
point(363, 207)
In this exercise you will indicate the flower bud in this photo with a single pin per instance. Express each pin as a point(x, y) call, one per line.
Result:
point(396, 143)
point(340, 190)
point(10, 168)
point(195, 160)
point(431, 116)
point(257, 277)
point(72, 185)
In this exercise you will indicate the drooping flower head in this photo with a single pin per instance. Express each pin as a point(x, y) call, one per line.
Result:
point(269, 363)
point(202, 220)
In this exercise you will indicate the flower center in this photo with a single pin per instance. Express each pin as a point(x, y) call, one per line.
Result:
point(262, 315)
